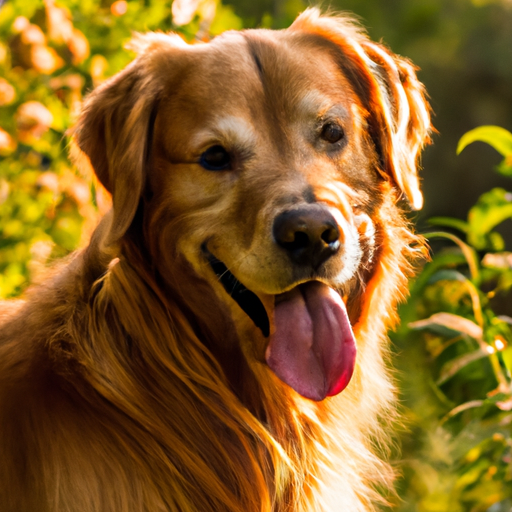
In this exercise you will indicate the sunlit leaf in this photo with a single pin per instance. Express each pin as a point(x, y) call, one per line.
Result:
point(501, 260)
point(449, 222)
point(499, 138)
point(505, 166)
point(453, 275)
point(447, 275)
point(507, 358)
point(453, 322)
point(446, 258)
point(505, 318)
point(491, 209)
point(468, 252)
point(435, 346)
point(225, 19)
point(66, 232)
point(463, 407)
point(495, 241)
point(455, 365)
point(505, 405)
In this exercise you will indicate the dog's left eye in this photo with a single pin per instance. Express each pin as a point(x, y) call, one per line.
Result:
point(332, 133)
point(216, 158)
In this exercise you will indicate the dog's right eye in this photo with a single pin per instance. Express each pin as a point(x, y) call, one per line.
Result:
point(332, 133)
point(216, 158)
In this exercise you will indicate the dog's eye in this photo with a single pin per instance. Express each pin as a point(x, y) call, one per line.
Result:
point(215, 158)
point(332, 133)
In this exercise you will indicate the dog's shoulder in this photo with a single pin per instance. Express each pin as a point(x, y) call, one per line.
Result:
point(28, 383)
point(23, 327)
point(30, 331)
point(47, 425)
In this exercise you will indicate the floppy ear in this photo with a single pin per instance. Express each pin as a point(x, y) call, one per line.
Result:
point(115, 127)
point(398, 113)
point(404, 124)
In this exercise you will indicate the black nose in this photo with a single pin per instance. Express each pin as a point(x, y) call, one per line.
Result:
point(309, 234)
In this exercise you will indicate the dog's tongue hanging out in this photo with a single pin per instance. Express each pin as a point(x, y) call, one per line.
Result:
point(313, 348)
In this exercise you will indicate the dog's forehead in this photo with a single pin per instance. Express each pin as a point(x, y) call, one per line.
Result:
point(278, 68)
point(254, 82)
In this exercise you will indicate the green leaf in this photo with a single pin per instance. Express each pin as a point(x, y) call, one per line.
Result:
point(449, 222)
point(447, 275)
point(447, 258)
point(499, 138)
point(477, 432)
point(66, 232)
point(468, 251)
point(491, 209)
point(452, 322)
point(505, 167)
point(455, 365)
point(225, 19)
point(463, 407)
point(507, 358)
point(495, 241)
point(454, 294)
point(474, 404)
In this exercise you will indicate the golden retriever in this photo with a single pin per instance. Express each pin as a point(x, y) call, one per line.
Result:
point(200, 354)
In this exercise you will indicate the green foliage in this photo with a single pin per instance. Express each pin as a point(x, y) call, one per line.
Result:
point(497, 137)
point(457, 339)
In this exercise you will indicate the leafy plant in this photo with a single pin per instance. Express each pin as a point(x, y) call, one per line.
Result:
point(457, 334)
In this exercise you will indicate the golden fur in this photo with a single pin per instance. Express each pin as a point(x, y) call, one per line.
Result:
point(131, 381)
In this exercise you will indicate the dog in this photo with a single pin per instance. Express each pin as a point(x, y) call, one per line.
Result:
point(220, 345)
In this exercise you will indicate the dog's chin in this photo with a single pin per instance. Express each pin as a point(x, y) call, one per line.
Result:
point(312, 347)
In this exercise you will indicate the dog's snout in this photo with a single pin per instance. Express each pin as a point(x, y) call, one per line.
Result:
point(309, 234)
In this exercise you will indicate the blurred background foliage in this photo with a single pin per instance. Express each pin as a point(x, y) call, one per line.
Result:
point(454, 348)
point(454, 354)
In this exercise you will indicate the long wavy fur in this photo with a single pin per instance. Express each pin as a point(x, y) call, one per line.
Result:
point(168, 402)
point(133, 354)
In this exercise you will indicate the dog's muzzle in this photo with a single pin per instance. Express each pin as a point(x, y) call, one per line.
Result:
point(312, 347)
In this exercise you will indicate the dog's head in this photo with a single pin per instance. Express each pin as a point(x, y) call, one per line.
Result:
point(263, 159)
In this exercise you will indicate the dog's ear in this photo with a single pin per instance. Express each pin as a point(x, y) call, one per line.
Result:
point(115, 126)
point(399, 116)
point(397, 112)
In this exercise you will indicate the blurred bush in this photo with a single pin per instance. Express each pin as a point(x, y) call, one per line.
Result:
point(455, 353)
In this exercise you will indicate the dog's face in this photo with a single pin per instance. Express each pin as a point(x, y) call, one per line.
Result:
point(269, 160)
point(262, 164)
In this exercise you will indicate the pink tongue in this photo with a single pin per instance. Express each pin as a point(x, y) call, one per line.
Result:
point(313, 348)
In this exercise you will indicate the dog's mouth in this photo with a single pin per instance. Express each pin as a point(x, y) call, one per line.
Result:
point(312, 348)
point(248, 301)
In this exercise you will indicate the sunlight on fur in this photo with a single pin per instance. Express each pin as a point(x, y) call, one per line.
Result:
point(163, 368)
